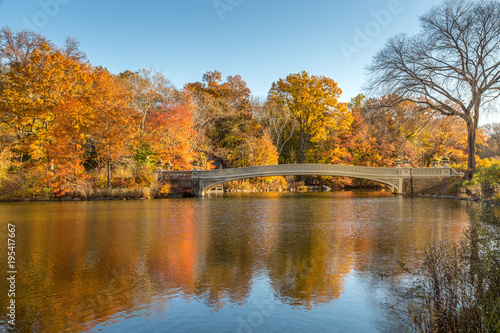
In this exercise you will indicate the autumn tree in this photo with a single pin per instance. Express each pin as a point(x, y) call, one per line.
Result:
point(150, 89)
point(492, 147)
point(313, 103)
point(113, 128)
point(170, 131)
point(6, 162)
point(452, 66)
point(38, 87)
point(385, 131)
point(223, 116)
point(358, 144)
point(277, 120)
point(255, 151)
point(396, 125)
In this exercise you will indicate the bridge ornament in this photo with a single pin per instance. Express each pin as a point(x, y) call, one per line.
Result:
point(393, 177)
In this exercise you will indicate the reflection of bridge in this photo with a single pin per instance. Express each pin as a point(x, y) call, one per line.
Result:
point(401, 180)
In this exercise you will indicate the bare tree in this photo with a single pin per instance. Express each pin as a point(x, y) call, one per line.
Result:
point(151, 89)
point(72, 50)
point(17, 47)
point(277, 121)
point(492, 146)
point(452, 66)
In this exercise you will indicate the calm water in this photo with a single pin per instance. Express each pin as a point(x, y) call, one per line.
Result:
point(252, 263)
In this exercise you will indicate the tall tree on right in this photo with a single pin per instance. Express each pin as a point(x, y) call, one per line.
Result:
point(452, 65)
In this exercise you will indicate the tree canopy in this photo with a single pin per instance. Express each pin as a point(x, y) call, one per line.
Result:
point(313, 102)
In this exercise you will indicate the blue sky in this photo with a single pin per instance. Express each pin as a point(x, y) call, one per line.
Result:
point(261, 40)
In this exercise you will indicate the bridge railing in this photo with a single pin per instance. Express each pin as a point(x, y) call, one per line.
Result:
point(298, 169)
point(175, 174)
point(446, 171)
point(302, 168)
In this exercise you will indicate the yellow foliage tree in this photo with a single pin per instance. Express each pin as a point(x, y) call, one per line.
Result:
point(255, 151)
point(313, 102)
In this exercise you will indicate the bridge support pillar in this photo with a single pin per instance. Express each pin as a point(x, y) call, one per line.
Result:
point(196, 183)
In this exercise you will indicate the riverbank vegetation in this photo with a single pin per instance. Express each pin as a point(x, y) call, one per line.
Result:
point(457, 289)
point(485, 184)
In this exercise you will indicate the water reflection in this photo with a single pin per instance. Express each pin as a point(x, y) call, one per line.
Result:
point(83, 264)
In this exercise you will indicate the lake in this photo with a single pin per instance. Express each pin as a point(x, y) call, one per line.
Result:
point(263, 262)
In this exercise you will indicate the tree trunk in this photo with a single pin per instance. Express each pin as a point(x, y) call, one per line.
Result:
point(471, 149)
point(109, 175)
point(303, 146)
point(142, 125)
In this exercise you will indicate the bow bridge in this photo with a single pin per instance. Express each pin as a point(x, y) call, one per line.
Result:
point(404, 180)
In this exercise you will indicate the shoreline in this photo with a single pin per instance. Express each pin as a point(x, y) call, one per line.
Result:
point(179, 196)
point(450, 197)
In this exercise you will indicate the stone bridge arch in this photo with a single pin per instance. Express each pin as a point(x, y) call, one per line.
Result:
point(404, 180)
point(211, 179)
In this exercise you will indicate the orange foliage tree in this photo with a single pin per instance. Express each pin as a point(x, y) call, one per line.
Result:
point(114, 123)
point(169, 131)
point(38, 104)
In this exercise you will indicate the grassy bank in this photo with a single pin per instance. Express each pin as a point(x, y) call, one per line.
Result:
point(484, 185)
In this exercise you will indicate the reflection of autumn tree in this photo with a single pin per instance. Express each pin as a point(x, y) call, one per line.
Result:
point(173, 252)
point(88, 262)
point(75, 272)
point(170, 133)
point(88, 284)
point(229, 257)
point(306, 268)
point(234, 246)
point(384, 243)
point(314, 256)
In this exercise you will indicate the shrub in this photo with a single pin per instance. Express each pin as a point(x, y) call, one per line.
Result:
point(83, 188)
point(120, 193)
point(123, 182)
point(165, 190)
point(143, 180)
point(488, 174)
point(486, 182)
point(459, 287)
point(24, 184)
